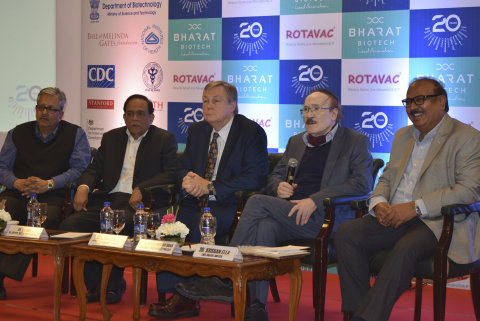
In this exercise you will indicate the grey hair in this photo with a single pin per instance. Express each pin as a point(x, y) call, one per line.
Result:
point(54, 91)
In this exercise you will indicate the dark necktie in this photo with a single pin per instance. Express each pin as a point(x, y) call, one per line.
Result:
point(316, 141)
point(209, 169)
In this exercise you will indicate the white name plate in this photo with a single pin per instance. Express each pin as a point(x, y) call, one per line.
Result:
point(38, 233)
point(158, 247)
point(110, 240)
point(218, 252)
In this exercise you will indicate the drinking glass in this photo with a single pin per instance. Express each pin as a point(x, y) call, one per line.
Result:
point(41, 215)
point(118, 221)
point(153, 222)
point(208, 229)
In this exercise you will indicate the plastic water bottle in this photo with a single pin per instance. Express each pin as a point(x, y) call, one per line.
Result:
point(139, 224)
point(208, 227)
point(106, 219)
point(32, 209)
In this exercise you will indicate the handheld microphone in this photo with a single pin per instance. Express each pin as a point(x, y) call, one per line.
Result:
point(292, 165)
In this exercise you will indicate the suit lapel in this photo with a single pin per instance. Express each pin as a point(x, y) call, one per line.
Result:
point(337, 144)
point(142, 149)
point(437, 143)
point(229, 145)
point(404, 161)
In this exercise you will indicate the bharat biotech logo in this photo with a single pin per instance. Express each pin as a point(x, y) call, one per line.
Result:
point(445, 32)
point(152, 39)
point(100, 104)
point(192, 115)
point(308, 79)
point(250, 82)
point(152, 76)
point(194, 6)
point(376, 127)
point(373, 36)
point(455, 82)
point(101, 76)
point(193, 39)
point(94, 15)
point(250, 38)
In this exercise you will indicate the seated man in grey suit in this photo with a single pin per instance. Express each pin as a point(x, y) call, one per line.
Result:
point(333, 161)
point(434, 162)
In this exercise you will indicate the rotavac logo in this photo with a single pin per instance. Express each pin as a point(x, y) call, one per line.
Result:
point(374, 79)
point(251, 38)
point(152, 76)
point(94, 15)
point(375, 5)
point(193, 79)
point(152, 38)
point(458, 75)
point(101, 76)
point(181, 116)
point(187, 9)
point(444, 32)
point(256, 81)
point(111, 39)
point(298, 78)
point(376, 35)
point(378, 123)
point(100, 104)
point(198, 39)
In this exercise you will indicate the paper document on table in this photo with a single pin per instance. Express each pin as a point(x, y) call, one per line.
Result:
point(274, 252)
point(69, 235)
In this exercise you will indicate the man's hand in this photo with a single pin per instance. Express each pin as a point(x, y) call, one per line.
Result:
point(136, 198)
point(31, 185)
point(81, 199)
point(400, 214)
point(381, 211)
point(21, 185)
point(285, 190)
point(195, 185)
point(304, 209)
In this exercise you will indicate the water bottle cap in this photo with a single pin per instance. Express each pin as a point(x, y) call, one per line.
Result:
point(106, 204)
point(139, 207)
point(33, 195)
point(206, 209)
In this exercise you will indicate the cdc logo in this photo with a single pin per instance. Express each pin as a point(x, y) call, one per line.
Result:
point(101, 76)
point(378, 123)
point(181, 116)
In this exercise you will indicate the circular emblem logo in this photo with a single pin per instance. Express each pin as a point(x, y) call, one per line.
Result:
point(152, 75)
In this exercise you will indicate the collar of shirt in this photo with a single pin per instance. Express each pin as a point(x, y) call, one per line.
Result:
point(139, 139)
point(223, 133)
point(48, 138)
point(428, 137)
point(329, 137)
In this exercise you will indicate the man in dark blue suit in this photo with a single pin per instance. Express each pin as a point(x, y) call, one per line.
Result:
point(241, 163)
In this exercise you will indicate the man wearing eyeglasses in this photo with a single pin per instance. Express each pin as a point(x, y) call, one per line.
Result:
point(129, 160)
point(434, 162)
point(39, 157)
point(332, 161)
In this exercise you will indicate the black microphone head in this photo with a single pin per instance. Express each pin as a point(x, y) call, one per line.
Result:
point(292, 162)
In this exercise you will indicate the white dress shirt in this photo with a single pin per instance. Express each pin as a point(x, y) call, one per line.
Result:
point(405, 188)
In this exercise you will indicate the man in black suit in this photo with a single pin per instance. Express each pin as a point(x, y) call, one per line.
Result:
point(241, 163)
point(128, 160)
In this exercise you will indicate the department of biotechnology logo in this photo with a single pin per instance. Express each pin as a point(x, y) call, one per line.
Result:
point(94, 15)
point(152, 76)
point(101, 76)
point(152, 39)
point(90, 122)
point(446, 32)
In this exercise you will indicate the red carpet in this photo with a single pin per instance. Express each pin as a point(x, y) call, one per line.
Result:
point(32, 300)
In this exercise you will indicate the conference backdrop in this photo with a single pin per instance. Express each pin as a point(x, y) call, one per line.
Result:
point(275, 52)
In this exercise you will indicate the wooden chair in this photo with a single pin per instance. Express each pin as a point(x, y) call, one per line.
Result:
point(444, 267)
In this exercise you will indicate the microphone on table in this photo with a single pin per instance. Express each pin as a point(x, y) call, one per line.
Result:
point(292, 165)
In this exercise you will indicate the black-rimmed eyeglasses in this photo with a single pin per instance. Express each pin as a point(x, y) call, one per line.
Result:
point(315, 110)
point(418, 100)
point(49, 110)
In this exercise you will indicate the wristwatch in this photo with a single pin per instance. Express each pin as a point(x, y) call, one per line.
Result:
point(210, 188)
point(417, 210)
point(50, 184)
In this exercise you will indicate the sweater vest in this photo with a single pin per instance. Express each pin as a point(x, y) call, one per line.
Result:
point(43, 160)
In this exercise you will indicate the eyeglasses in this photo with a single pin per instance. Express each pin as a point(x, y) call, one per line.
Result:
point(315, 110)
point(418, 100)
point(50, 110)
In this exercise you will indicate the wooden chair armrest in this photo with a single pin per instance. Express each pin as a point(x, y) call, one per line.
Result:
point(457, 209)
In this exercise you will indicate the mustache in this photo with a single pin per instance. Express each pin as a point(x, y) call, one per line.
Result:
point(310, 121)
point(416, 111)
